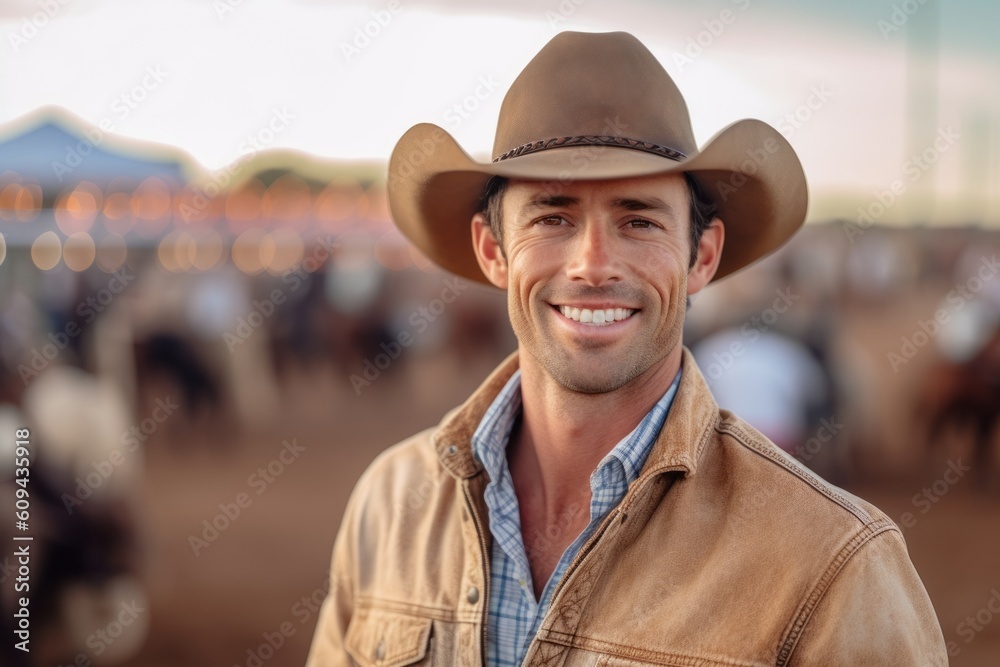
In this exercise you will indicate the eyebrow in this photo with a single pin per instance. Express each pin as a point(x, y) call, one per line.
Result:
point(646, 204)
point(544, 201)
point(550, 201)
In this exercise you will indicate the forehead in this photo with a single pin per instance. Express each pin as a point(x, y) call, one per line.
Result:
point(668, 190)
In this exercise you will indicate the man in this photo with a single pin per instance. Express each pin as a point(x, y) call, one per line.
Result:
point(590, 504)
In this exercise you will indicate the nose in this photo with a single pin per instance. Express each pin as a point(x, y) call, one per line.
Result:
point(594, 257)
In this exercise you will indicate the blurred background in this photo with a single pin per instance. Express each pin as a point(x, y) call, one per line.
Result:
point(203, 298)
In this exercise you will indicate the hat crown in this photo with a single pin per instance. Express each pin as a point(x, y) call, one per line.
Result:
point(594, 84)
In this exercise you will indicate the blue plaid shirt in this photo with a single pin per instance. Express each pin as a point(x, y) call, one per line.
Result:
point(514, 614)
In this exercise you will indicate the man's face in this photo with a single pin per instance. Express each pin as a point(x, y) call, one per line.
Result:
point(596, 276)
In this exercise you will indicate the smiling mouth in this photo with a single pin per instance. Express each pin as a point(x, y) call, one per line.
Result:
point(596, 317)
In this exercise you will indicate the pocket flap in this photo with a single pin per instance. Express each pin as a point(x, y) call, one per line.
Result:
point(381, 638)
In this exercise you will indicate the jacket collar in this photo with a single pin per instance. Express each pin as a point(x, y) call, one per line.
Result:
point(679, 445)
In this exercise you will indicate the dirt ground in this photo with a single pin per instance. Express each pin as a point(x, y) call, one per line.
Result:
point(268, 569)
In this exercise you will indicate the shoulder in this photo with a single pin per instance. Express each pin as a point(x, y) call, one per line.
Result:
point(808, 528)
point(774, 480)
point(407, 468)
point(415, 450)
point(845, 558)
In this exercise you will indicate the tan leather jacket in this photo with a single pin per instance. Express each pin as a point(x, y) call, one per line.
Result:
point(725, 551)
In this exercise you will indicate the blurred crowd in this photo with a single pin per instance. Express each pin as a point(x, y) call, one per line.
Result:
point(868, 356)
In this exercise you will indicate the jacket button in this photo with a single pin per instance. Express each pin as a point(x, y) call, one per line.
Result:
point(380, 650)
point(452, 450)
point(473, 595)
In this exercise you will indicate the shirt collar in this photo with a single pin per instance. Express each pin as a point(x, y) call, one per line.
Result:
point(489, 442)
point(693, 417)
point(633, 450)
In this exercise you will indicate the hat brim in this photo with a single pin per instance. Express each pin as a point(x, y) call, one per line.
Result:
point(748, 169)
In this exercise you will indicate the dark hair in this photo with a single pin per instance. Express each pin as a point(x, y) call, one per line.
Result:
point(491, 207)
point(701, 210)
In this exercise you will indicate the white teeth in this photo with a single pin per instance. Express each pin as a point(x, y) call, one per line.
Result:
point(596, 317)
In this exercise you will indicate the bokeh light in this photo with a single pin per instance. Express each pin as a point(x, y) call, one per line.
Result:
point(165, 254)
point(207, 251)
point(20, 202)
point(76, 210)
point(111, 253)
point(336, 203)
point(79, 251)
point(46, 251)
point(151, 205)
point(184, 247)
point(285, 251)
point(243, 205)
point(288, 201)
point(28, 202)
point(118, 216)
point(247, 250)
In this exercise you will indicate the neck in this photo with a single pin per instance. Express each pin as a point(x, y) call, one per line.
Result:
point(564, 434)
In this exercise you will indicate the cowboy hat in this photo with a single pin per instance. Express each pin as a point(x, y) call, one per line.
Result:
point(587, 107)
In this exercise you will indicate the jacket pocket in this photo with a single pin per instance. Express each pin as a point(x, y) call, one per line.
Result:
point(677, 661)
point(382, 638)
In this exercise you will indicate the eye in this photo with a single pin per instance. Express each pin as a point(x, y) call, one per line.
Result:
point(551, 221)
point(639, 223)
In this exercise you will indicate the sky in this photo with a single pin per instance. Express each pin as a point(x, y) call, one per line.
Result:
point(858, 88)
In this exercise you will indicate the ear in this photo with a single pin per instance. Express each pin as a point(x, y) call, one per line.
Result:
point(709, 256)
point(488, 253)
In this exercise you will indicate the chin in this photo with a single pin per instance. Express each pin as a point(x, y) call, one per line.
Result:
point(591, 378)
